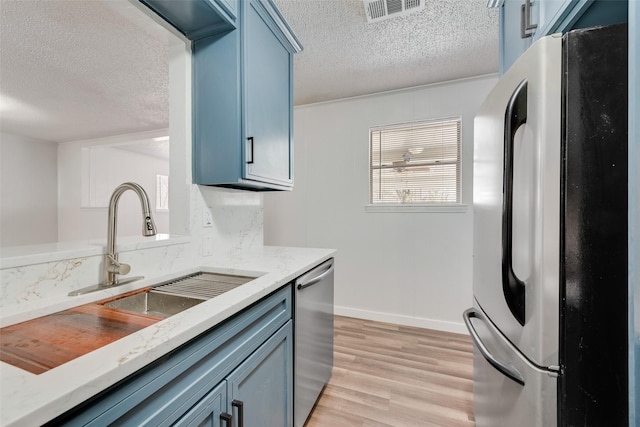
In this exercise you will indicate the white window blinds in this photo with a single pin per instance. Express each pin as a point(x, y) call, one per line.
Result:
point(416, 163)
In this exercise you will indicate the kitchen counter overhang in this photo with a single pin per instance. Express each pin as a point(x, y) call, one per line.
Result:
point(29, 399)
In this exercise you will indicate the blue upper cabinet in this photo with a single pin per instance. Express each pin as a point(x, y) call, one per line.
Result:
point(196, 18)
point(559, 16)
point(551, 14)
point(514, 37)
point(267, 95)
point(242, 84)
point(525, 21)
point(243, 102)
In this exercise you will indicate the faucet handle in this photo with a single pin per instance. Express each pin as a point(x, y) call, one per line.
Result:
point(123, 269)
point(117, 267)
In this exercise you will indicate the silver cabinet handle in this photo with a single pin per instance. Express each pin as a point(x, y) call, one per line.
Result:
point(503, 367)
point(525, 20)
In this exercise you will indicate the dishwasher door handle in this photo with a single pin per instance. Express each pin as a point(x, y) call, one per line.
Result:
point(316, 279)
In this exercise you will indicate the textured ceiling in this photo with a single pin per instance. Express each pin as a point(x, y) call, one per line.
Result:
point(345, 56)
point(76, 70)
point(72, 70)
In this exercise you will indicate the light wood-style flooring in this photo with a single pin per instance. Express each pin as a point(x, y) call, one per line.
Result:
point(391, 375)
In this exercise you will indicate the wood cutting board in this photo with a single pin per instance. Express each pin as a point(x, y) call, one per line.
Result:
point(47, 342)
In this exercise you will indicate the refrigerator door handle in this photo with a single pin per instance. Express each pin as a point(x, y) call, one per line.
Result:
point(503, 367)
point(512, 287)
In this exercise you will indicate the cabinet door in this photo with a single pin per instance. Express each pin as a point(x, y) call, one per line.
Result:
point(550, 14)
point(260, 390)
point(512, 45)
point(564, 15)
point(560, 15)
point(268, 103)
point(206, 413)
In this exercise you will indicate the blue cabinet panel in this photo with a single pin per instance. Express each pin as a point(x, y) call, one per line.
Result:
point(217, 155)
point(243, 104)
point(164, 391)
point(268, 101)
point(512, 45)
point(196, 18)
point(242, 90)
point(560, 16)
point(601, 12)
point(206, 413)
point(262, 386)
point(553, 16)
point(552, 12)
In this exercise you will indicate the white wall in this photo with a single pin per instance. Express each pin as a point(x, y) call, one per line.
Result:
point(237, 216)
point(29, 191)
point(409, 268)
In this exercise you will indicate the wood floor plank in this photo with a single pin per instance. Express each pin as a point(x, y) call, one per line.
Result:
point(388, 375)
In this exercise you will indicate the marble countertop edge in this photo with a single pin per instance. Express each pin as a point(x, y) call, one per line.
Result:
point(28, 399)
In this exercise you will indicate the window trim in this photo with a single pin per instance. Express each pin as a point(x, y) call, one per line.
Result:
point(416, 208)
point(449, 207)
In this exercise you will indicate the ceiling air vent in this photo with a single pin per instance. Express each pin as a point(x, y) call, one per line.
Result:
point(378, 10)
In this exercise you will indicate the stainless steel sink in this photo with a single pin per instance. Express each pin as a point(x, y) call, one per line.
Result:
point(154, 303)
point(171, 297)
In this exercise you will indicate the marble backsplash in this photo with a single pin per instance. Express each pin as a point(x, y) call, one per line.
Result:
point(237, 225)
point(46, 282)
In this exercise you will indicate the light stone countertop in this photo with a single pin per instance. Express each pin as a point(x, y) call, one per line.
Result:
point(19, 256)
point(28, 399)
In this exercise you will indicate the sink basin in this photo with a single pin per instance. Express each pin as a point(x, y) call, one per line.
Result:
point(172, 297)
point(154, 303)
point(32, 346)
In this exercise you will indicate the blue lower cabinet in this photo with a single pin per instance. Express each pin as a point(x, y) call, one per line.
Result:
point(197, 383)
point(261, 388)
point(259, 392)
point(208, 412)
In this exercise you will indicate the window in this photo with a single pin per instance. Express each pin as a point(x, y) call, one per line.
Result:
point(162, 192)
point(415, 163)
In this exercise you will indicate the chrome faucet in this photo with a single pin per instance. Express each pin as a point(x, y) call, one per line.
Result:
point(113, 268)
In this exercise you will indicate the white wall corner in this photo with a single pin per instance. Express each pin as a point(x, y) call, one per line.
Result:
point(401, 319)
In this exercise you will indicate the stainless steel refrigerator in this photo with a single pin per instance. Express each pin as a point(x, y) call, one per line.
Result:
point(549, 315)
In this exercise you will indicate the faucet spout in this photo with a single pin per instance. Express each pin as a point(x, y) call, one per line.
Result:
point(113, 268)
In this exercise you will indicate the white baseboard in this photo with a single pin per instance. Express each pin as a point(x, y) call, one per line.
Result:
point(399, 319)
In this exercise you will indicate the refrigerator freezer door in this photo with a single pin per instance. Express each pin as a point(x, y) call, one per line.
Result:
point(517, 202)
point(529, 400)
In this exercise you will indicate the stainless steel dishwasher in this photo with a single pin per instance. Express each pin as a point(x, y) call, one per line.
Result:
point(313, 324)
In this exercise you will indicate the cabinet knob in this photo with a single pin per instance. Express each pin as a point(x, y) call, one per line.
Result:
point(525, 20)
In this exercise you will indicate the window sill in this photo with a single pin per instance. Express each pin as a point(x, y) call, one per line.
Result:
point(409, 208)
